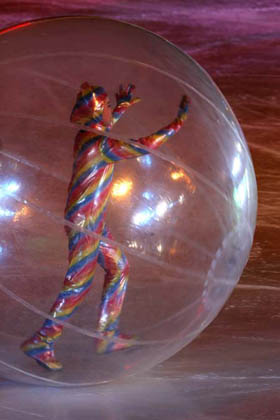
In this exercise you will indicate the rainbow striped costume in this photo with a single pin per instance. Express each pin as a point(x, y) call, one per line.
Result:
point(88, 194)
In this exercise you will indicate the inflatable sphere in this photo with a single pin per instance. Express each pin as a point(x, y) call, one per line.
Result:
point(181, 216)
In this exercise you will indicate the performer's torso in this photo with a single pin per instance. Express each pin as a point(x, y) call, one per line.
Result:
point(90, 185)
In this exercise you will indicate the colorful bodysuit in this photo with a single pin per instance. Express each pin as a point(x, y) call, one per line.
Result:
point(88, 193)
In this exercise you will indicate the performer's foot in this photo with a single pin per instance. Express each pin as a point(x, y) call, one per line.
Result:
point(41, 351)
point(111, 343)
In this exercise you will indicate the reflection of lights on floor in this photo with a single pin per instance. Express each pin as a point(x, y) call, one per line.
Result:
point(121, 187)
point(1, 250)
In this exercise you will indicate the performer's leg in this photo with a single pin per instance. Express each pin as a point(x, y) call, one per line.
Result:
point(116, 267)
point(83, 251)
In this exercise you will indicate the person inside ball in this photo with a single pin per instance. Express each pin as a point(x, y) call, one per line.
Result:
point(90, 239)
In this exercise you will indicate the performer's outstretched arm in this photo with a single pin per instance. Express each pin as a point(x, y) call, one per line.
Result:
point(114, 150)
point(124, 100)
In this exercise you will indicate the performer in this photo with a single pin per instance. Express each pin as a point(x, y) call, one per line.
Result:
point(88, 193)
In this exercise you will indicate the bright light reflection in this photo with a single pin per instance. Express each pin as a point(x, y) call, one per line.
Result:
point(145, 160)
point(8, 187)
point(241, 191)
point(6, 213)
point(133, 244)
point(236, 165)
point(161, 208)
point(159, 248)
point(180, 174)
point(142, 217)
point(121, 187)
point(239, 147)
point(148, 195)
point(181, 198)
point(177, 174)
point(12, 186)
point(21, 213)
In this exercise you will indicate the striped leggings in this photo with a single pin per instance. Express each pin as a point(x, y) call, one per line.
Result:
point(84, 253)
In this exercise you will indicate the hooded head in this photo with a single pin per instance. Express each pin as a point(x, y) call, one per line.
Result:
point(89, 107)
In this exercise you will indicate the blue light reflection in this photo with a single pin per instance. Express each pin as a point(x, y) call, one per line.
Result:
point(145, 160)
point(8, 188)
point(6, 213)
point(148, 195)
point(143, 217)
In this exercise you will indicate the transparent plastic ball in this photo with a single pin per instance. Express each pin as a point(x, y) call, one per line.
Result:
point(184, 215)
